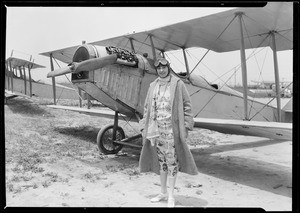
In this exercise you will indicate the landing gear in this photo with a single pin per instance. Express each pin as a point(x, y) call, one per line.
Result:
point(111, 138)
point(105, 139)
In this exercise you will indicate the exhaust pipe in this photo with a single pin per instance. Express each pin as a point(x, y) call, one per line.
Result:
point(87, 65)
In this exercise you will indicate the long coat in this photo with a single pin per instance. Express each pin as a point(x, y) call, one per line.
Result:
point(182, 120)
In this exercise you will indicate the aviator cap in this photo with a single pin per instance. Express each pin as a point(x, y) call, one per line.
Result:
point(161, 61)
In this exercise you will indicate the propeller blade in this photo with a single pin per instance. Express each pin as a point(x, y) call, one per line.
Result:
point(60, 71)
point(95, 63)
point(87, 65)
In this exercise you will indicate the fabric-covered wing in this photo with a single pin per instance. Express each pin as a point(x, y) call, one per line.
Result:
point(207, 32)
point(17, 62)
point(204, 31)
point(65, 55)
point(107, 113)
point(10, 95)
point(273, 130)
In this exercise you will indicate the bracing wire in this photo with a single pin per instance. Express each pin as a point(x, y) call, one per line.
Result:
point(282, 35)
point(142, 43)
point(210, 99)
point(215, 40)
point(272, 99)
point(173, 54)
point(237, 67)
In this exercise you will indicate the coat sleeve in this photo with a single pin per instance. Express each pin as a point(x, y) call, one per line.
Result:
point(143, 120)
point(187, 107)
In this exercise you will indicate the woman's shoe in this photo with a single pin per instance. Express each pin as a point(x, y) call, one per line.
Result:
point(171, 202)
point(159, 197)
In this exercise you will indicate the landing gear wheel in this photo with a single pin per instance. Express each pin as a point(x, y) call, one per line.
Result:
point(105, 139)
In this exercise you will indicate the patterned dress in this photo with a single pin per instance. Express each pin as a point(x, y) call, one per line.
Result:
point(165, 142)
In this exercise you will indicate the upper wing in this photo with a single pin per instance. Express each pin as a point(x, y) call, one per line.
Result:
point(207, 32)
point(204, 31)
point(65, 55)
point(273, 130)
point(18, 62)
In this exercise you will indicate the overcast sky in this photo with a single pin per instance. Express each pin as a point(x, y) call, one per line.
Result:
point(33, 30)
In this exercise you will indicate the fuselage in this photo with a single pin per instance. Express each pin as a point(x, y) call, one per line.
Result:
point(123, 86)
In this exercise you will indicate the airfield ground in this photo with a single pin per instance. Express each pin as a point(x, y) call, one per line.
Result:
point(52, 160)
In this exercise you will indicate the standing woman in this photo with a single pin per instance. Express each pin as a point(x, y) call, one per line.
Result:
point(167, 119)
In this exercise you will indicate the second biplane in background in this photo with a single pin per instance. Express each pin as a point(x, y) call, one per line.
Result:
point(268, 88)
point(117, 72)
point(19, 85)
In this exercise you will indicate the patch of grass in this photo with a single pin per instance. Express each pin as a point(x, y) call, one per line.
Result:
point(18, 189)
point(53, 176)
point(201, 138)
point(17, 169)
point(92, 177)
point(10, 187)
point(133, 171)
point(28, 162)
point(26, 178)
point(35, 186)
point(111, 168)
point(46, 183)
point(15, 179)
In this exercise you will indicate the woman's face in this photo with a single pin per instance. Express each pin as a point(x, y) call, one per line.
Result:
point(162, 71)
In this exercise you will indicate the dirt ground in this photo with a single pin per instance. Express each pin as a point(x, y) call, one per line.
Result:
point(52, 160)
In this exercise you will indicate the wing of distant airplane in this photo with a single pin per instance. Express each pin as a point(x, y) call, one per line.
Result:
point(207, 32)
point(18, 62)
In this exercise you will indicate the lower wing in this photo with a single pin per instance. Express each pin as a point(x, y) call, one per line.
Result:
point(273, 130)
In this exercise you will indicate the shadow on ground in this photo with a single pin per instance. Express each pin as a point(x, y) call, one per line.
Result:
point(251, 172)
point(85, 133)
point(20, 105)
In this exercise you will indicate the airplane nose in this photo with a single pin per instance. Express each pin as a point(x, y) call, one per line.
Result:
point(84, 60)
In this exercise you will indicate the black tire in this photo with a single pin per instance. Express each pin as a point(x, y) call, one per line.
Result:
point(105, 142)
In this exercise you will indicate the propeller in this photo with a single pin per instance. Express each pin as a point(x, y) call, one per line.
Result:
point(87, 65)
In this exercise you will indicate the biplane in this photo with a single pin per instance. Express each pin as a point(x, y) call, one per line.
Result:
point(269, 88)
point(18, 81)
point(12, 66)
point(117, 72)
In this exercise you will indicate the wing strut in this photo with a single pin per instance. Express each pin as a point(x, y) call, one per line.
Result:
point(25, 84)
point(30, 79)
point(153, 48)
point(186, 63)
point(131, 43)
point(244, 66)
point(276, 75)
point(53, 79)
point(11, 73)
